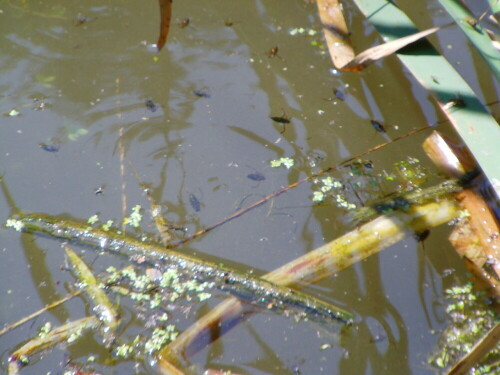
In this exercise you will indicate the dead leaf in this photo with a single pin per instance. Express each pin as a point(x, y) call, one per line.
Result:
point(339, 45)
point(336, 32)
point(165, 17)
point(373, 54)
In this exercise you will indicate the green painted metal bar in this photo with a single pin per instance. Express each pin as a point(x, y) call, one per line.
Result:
point(476, 34)
point(469, 116)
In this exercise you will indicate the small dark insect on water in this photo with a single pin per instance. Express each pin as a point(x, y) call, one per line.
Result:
point(378, 126)
point(382, 128)
point(194, 202)
point(283, 119)
point(202, 93)
point(421, 236)
point(228, 22)
point(81, 19)
point(474, 23)
point(457, 102)
point(184, 23)
point(273, 52)
point(50, 147)
point(150, 105)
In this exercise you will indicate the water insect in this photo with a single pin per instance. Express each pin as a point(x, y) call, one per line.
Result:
point(283, 119)
point(184, 23)
point(457, 102)
point(202, 93)
point(273, 52)
point(382, 128)
point(50, 147)
point(150, 105)
point(378, 126)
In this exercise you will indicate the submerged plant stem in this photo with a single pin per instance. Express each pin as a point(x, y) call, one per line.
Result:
point(103, 307)
point(262, 293)
point(314, 266)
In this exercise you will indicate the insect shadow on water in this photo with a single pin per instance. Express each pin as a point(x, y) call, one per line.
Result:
point(255, 176)
point(194, 202)
point(283, 119)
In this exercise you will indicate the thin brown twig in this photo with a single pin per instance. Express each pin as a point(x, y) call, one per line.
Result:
point(121, 148)
point(51, 306)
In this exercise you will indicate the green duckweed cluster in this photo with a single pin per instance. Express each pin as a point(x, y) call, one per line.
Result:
point(470, 317)
point(157, 296)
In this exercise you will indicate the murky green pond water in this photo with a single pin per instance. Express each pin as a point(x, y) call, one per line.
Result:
point(85, 101)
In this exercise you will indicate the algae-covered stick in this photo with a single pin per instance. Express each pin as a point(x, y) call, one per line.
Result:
point(258, 292)
point(102, 305)
point(403, 202)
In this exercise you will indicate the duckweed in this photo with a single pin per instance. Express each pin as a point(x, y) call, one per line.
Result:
point(135, 217)
point(287, 162)
point(15, 224)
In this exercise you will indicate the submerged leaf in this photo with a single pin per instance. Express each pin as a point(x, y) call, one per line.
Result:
point(373, 54)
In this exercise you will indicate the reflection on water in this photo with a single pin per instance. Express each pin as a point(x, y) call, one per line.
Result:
point(194, 121)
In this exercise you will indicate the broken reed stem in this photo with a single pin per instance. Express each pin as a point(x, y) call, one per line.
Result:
point(479, 351)
point(66, 332)
point(314, 266)
point(294, 185)
point(103, 307)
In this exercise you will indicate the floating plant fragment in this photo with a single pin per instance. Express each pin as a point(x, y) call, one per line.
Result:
point(134, 220)
point(15, 224)
point(93, 219)
point(287, 162)
point(75, 133)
